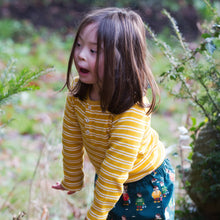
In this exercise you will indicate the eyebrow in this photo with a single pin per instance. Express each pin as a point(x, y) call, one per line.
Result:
point(95, 43)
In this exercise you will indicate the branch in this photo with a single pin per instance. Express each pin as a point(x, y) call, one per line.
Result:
point(166, 50)
point(207, 91)
point(194, 98)
point(176, 28)
point(213, 10)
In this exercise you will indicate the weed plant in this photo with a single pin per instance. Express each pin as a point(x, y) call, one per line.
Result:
point(194, 76)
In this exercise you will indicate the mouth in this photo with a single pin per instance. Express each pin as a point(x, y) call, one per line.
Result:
point(83, 70)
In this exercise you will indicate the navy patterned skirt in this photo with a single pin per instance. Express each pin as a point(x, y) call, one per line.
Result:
point(152, 197)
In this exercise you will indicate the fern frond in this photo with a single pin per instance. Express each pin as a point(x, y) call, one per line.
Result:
point(13, 81)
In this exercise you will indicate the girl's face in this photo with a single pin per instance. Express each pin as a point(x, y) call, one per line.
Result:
point(85, 55)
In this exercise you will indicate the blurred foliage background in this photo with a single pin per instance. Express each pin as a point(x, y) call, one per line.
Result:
point(35, 41)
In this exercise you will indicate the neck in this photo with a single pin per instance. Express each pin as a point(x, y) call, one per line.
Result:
point(94, 93)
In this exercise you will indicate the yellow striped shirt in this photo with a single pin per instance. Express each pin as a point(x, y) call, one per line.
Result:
point(123, 148)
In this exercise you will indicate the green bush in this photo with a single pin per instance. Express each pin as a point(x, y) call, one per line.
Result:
point(16, 30)
point(194, 76)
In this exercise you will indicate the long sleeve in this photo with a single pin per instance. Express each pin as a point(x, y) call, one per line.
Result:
point(126, 136)
point(72, 149)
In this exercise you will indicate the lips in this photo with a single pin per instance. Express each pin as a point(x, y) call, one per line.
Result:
point(83, 70)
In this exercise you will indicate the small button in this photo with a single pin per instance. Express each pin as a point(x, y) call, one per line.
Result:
point(89, 107)
point(87, 131)
point(87, 120)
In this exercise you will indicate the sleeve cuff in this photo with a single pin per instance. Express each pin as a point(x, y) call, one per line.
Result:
point(71, 188)
point(91, 215)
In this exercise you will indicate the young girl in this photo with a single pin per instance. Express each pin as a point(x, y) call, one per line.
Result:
point(108, 115)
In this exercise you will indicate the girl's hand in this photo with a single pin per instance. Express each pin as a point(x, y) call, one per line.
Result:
point(59, 186)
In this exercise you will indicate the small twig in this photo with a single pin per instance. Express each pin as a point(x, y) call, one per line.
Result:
point(9, 194)
point(194, 98)
point(32, 180)
point(181, 161)
point(176, 28)
point(166, 50)
point(34, 174)
point(20, 216)
point(207, 91)
point(211, 8)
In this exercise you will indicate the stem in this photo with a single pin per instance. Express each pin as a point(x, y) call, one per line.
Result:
point(211, 8)
point(32, 180)
point(203, 109)
point(181, 161)
point(34, 174)
point(163, 47)
point(207, 91)
point(204, 86)
point(175, 28)
point(10, 193)
point(194, 99)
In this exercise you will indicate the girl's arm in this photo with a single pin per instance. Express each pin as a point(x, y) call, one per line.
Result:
point(72, 149)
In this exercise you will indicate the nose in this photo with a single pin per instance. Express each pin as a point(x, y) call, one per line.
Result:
point(82, 54)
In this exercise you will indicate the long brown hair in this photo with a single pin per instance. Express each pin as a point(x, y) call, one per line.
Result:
point(127, 75)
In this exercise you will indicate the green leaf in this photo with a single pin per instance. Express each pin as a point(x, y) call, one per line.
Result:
point(178, 167)
point(201, 124)
point(205, 35)
point(193, 121)
point(218, 20)
point(217, 42)
point(193, 136)
point(163, 74)
point(190, 156)
point(187, 183)
point(172, 77)
point(193, 129)
point(180, 69)
point(202, 47)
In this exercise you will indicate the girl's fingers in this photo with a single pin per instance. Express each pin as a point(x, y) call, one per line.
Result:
point(58, 186)
point(70, 192)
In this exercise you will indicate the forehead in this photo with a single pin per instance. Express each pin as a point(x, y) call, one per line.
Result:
point(89, 31)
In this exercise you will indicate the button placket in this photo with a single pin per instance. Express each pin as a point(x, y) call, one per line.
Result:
point(87, 120)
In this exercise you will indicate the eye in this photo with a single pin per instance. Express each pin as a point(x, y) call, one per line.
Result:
point(78, 44)
point(93, 51)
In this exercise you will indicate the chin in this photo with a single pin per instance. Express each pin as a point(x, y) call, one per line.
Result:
point(85, 81)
